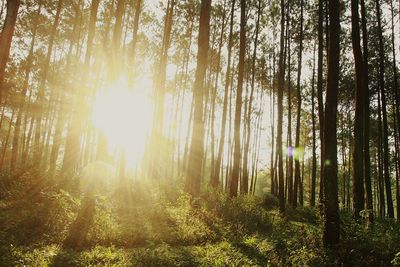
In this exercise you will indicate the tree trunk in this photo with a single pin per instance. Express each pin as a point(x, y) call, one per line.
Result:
point(314, 156)
point(367, 160)
point(215, 179)
point(193, 178)
point(244, 185)
point(289, 154)
point(21, 108)
point(380, 161)
point(396, 109)
point(213, 170)
point(386, 152)
point(6, 36)
point(42, 87)
point(281, 77)
point(320, 94)
point(160, 79)
point(331, 207)
point(358, 175)
point(272, 100)
point(297, 144)
point(238, 111)
point(138, 10)
point(71, 155)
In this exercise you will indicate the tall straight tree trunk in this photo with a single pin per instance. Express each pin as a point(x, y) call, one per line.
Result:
point(193, 178)
point(182, 162)
point(215, 178)
point(272, 100)
point(289, 156)
point(238, 112)
point(160, 79)
point(57, 139)
point(138, 10)
point(297, 142)
point(244, 185)
point(281, 77)
point(114, 66)
point(319, 93)
point(214, 97)
point(71, 155)
point(230, 149)
point(396, 115)
point(5, 143)
point(40, 101)
point(367, 160)
point(358, 175)
point(331, 206)
point(6, 36)
point(21, 108)
point(314, 156)
point(380, 161)
point(188, 133)
point(386, 152)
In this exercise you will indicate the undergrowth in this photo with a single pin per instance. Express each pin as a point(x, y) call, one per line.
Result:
point(168, 228)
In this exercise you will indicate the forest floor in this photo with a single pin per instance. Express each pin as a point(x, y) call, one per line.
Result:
point(48, 223)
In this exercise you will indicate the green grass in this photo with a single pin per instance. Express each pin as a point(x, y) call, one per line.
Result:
point(153, 227)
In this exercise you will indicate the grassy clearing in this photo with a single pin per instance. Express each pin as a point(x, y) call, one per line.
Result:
point(168, 229)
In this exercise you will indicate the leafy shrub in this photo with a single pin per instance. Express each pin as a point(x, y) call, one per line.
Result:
point(105, 229)
point(191, 228)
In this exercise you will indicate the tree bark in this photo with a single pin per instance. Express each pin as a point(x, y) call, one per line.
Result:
point(367, 160)
point(331, 207)
point(71, 155)
point(281, 77)
point(386, 152)
point(6, 36)
point(358, 168)
point(320, 93)
point(244, 185)
point(297, 142)
point(314, 156)
point(215, 179)
point(238, 112)
point(193, 178)
point(39, 109)
point(22, 106)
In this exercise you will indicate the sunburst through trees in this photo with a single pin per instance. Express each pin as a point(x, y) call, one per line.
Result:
point(241, 97)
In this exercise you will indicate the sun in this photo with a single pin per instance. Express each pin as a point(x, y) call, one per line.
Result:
point(124, 115)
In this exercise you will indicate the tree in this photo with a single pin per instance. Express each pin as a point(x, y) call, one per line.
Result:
point(193, 179)
point(40, 101)
point(159, 86)
point(381, 79)
point(6, 37)
point(238, 111)
point(320, 99)
point(245, 176)
point(71, 155)
point(21, 108)
point(358, 176)
point(366, 115)
point(281, 77)
point(313, 119)
point(331, 206)
point(217, 168)
point(138, 10)
point(297, 142)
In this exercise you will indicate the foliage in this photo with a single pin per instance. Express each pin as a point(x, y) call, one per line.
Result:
point(157, 230)
point(396, 260)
